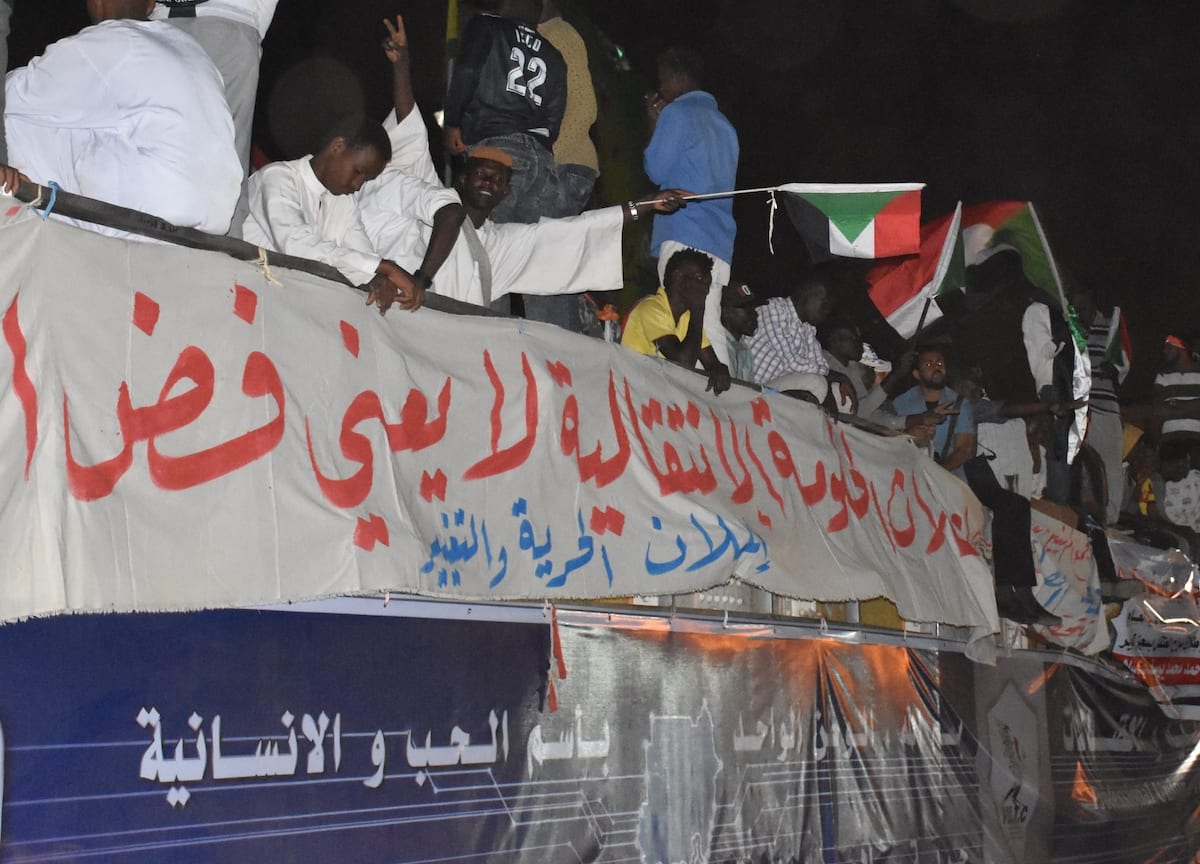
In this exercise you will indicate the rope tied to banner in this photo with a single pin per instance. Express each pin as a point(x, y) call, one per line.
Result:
point(266, 267)
point(774, 205)
point(45, 214)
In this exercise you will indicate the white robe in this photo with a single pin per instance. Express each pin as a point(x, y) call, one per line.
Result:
point(553, 256)
point(292, 212)
point(256, 13)
point(132, 113)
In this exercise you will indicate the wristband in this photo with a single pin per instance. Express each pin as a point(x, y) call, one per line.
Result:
point(633, 211)
point(421, 276)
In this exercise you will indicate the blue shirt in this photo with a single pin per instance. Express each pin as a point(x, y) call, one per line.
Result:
point(695, 148)
point(912, 402)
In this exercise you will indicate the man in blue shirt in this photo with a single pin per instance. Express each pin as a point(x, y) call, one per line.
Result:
point(693, 146)
point(954, 436)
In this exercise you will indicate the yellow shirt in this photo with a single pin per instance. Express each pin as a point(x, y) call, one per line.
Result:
point(574, 146)
point(650, 320)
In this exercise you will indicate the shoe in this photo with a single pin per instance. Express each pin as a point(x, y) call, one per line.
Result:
point(1034, 611)
point(1018, 605)
point(1009, 606)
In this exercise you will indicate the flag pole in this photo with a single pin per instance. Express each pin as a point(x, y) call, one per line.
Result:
point(921, 321)
point(709, 195)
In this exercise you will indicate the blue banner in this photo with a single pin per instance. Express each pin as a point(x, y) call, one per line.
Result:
point(377, 736)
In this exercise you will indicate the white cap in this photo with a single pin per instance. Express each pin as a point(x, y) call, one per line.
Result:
point(809, 382)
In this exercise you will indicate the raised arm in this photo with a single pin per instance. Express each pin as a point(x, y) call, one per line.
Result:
point(396, 49)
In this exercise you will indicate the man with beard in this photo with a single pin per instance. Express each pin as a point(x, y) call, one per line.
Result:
point(953, 440)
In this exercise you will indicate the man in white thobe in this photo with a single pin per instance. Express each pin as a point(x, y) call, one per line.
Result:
point(131, 112)
point(488, 261)
point(307, 207)
point(231, 31)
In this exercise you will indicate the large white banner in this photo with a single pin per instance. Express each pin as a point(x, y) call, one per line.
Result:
point(180, 431)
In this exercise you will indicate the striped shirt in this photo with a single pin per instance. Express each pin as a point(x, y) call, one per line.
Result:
point(1103, 397)
point(1180, 386)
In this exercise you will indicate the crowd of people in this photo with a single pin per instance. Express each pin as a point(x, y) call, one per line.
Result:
point(91, 115)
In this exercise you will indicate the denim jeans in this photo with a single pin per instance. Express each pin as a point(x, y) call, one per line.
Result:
point(568, 311)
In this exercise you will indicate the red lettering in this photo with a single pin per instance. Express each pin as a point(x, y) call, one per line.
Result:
point(958, 530)
point(559, 372)
point(888, 529)
point(169, 413)
point(594, 465)
point(762, 472)
point(938, 537)
point(90, 482)
point(369, 532)
point(903, 536)
point(414, 431)
point(433, 485)
point(760, 411)
point(508, 458)
point(744, 490)
point(810, 493)
point(356, 447)
point(21, 383)
point(259, 378)
point(674, 478)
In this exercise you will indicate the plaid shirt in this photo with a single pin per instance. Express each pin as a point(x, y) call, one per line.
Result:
point(783, 343)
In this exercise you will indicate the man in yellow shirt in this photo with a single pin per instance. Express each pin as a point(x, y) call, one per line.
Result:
point(670, 323)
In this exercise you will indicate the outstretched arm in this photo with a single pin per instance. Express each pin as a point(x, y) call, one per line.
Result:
point(666, 201)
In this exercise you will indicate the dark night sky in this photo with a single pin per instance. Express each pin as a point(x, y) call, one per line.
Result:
point(1085, 107)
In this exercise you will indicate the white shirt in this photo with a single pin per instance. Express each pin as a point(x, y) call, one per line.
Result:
point(1040, 347)
point(1013, 465)
point(553, 256)
point(132, 113)
point(256, 13)
point(292, 212)
point(1181, 500)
